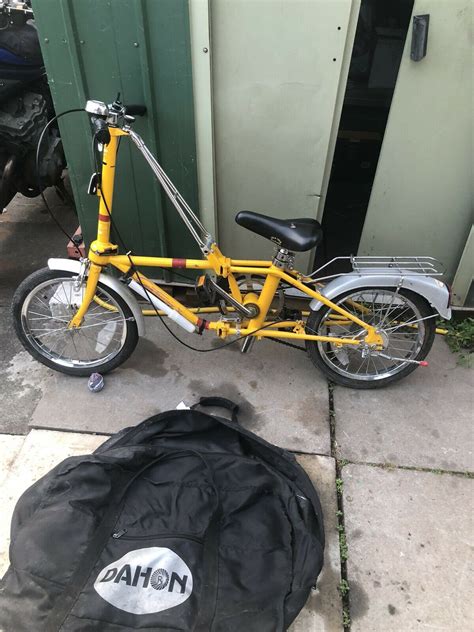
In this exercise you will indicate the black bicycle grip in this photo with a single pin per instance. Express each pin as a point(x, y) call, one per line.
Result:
point(135, 110)
point(101, 130)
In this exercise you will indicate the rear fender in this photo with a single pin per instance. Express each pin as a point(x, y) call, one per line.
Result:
point(434, 291)
point(70, 265)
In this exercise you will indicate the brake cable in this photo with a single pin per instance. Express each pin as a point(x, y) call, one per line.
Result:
point(38, 175)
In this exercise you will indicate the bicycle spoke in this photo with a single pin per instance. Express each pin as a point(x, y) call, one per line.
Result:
point(55, 318)
point(412, 322)
point(373, 301)
point(375, 365)
point(48, 332)
point(361, 364)
point(68, 301)
point(42, 303)
point(55, 343)
point(398, 348)
point(40, 314)
point(61, 353)
point(341, 326)
point(46, 317)
point(389, 312)
point(74, 345)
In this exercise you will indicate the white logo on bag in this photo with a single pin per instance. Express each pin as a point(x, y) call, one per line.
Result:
point(145, 581)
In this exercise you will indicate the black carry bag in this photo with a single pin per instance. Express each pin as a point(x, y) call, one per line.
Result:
point(185, 522)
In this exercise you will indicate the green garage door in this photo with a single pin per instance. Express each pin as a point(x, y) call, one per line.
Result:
point(94, 49)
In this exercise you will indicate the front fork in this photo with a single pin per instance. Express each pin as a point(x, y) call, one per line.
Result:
point(91, 287)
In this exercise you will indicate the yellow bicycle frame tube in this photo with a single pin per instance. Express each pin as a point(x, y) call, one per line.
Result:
point(102, 252)
point(102, 243)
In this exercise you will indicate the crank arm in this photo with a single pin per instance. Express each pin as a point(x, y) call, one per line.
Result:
point(242, 309)
point(387, 357)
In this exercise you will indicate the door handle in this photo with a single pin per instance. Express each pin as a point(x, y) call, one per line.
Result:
point(419, 37)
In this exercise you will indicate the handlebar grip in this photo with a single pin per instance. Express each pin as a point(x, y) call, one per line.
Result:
point(135, 110)
point(101, 130)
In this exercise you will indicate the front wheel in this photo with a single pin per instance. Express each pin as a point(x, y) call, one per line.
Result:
point(42, 307)
point(404, 320)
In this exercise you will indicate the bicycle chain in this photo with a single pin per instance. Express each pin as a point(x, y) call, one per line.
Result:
point(287, 344)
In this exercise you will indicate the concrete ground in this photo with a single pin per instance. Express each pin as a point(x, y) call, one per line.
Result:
point(28, 236)
point(393, 467)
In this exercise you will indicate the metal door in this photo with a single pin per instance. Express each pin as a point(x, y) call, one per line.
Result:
point(277, 73)
point(421, 201)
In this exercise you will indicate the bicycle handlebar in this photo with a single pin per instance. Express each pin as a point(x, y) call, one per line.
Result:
point(101, 115)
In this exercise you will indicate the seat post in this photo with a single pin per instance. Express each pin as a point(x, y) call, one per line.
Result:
point(284, 259)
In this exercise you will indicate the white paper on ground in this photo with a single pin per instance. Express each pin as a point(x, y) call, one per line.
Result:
point(182, 406)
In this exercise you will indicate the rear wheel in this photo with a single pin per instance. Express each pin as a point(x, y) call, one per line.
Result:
point(404, 320)
point(42, 307)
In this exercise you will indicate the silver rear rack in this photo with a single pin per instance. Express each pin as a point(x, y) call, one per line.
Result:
point(396, 266)
point(420, 265)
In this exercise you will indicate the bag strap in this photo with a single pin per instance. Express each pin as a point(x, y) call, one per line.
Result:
point(69, 596)
point(219, 402)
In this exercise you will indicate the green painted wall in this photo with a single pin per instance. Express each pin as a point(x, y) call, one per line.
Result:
point(140, 48)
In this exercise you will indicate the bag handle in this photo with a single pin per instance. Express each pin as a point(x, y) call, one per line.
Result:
point(219, 402)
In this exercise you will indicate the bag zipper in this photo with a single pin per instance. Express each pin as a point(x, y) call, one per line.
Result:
point(182, 536)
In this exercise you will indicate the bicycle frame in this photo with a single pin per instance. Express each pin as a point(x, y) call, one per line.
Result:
point(102, 253)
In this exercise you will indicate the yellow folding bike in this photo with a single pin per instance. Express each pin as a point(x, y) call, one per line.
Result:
point(363, 329)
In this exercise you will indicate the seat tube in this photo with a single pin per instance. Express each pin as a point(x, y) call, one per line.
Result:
point(109, 158)
point(269, 289)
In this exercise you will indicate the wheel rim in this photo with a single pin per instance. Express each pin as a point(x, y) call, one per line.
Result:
point(393, 315)
point(46, 312)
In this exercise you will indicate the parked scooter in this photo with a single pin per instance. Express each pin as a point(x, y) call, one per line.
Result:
point(25, 108)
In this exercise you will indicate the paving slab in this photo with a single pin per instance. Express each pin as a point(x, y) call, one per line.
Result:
point(28, 237)
point(9, 447)
point(20, 379)
point(283, 398)
point(43, 449)
point(39, 452)
point(410, 542)
point(425, 420)
point(323, 610)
